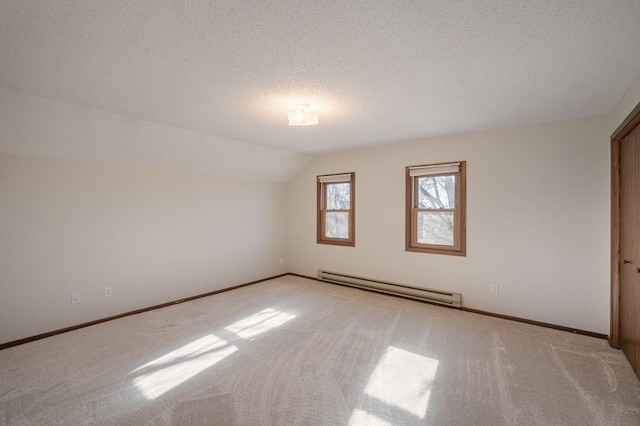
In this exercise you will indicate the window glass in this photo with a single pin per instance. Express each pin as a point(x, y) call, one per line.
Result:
point(436, 192)
point(338, 196)
point(435, 228)
point(337, 225)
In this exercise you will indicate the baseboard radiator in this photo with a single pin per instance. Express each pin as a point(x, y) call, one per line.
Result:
point(434, 296)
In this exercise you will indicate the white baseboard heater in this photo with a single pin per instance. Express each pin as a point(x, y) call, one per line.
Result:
point(434, 296)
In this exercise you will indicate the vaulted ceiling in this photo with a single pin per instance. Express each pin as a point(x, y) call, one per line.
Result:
point(377, 71)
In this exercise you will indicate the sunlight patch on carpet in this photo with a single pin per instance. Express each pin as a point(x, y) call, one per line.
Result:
point(259, 323)
point(363, 418)
point(403, 380)
point(174, 368)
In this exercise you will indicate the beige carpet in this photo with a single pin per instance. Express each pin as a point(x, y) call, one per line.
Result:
point(293, 351)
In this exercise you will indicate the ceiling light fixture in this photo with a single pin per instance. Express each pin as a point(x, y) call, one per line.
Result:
point(302, 116)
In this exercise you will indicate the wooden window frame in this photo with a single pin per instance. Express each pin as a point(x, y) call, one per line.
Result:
point(321, 208)
point(460, 228)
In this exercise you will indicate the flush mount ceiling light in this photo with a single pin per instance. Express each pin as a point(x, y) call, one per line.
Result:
point(302, 116)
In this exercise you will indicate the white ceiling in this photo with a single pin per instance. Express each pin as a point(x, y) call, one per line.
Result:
point(377, 71)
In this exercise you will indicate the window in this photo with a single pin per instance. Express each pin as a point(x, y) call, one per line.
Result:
point(336, 209)
point(435, 221)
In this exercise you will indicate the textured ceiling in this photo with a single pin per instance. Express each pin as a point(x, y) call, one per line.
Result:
point(378, 72)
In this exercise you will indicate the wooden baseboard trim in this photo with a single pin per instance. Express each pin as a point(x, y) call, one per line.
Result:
point(304, 276)
point(491, 314)
point(539, 323)
point(126, 314)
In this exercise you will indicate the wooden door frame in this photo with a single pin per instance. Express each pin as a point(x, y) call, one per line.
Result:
point(632, 120)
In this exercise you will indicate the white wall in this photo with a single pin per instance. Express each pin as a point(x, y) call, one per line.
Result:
point(537, 220)
point(627, 102)
point(154, 236)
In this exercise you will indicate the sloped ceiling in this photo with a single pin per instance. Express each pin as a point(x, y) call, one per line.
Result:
point(378, 72)
point(32, 125)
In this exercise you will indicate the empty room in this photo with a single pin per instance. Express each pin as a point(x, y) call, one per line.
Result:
point(320, 212)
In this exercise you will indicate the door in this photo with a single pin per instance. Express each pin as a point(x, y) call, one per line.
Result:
point(630, 248)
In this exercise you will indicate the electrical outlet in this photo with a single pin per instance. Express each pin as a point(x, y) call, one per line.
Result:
point(107, 292)
point(75, 298)
point(282, 260)
point(301, 259)
point(494, 289)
